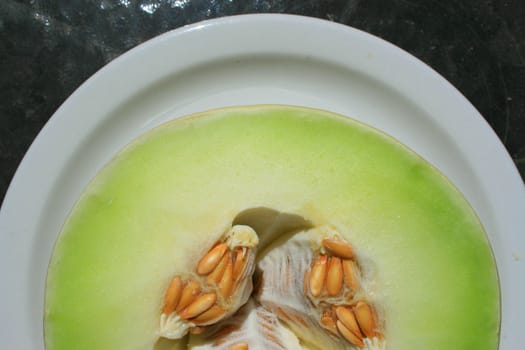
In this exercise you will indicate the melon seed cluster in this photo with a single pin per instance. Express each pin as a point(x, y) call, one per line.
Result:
point(310, 287)
point(332, 284)
point(219, 286)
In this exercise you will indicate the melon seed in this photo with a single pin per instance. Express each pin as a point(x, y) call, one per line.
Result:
point(318, 275)
point(211, 259)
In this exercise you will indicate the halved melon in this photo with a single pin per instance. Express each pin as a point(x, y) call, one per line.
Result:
point(163, 201)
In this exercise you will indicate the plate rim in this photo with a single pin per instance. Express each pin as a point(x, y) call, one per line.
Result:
point(513, 186)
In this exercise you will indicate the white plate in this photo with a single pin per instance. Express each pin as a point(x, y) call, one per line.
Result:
point(251, 60)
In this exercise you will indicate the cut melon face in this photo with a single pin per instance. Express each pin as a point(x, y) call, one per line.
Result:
point(168, 197)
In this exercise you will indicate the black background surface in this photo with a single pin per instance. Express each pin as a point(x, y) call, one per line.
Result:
point(49, 48)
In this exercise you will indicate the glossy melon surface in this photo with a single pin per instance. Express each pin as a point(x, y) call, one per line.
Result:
point(162, 201)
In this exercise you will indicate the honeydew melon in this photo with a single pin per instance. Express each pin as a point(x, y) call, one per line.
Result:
point(169, 195)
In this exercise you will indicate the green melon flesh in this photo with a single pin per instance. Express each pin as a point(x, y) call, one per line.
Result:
point(162, 201)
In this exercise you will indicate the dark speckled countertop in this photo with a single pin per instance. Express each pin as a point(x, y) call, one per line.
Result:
point(48, 48)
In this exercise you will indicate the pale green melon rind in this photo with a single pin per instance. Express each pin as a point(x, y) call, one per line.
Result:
point(138, 221)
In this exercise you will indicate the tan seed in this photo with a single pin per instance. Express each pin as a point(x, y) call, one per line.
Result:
point(366, 319)
point(211, 259)
point(226, 282)
point(351, 274)
point(329, 323)
point(348, 335)
point(215, 276)
point(213, 313)
point(239, 346)
point(318, 275)
point(334, 278)
point(346, 316)
point(201, 304)
point(338, 248)
point(189, 294)
point(173, 294)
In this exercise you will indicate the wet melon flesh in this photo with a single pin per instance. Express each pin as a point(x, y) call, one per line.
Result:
point(165, 199)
